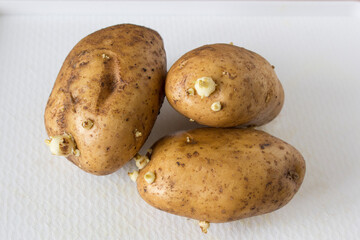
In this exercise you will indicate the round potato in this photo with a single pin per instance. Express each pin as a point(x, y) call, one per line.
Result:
point(221, 175)
point(222, 85)
point(106, 97)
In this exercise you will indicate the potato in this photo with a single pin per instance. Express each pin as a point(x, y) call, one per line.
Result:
point(106, 97)
point(220, 175)
point(222, 85)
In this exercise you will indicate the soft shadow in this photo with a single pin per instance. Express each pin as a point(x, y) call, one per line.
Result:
point(168, 122)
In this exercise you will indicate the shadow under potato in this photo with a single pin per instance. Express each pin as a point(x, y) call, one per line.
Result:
point(168, 122)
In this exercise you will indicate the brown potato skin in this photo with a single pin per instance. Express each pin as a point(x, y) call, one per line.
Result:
point(247, 86)
point(222, 175)
point(119, 94)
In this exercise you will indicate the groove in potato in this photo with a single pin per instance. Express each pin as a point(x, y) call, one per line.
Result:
point(107, 96)
point(243, 82)
point(221, 175)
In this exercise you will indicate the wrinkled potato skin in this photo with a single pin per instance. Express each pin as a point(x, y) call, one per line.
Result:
point(119, 93)
point(222, 175)
point(247, 86)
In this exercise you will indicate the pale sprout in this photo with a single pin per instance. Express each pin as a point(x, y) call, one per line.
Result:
point(137, 133)
point(76, 153)
point(141, 161)
point(216, 106)
point(204, 225)
point(62, 145)
point(104, 56)
point(190, 91)
point(149, 177)
point(205, 86)
point(133, 175)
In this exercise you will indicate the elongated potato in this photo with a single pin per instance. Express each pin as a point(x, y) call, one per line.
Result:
point(106, 97)
point(221, 175)
point(222, 85)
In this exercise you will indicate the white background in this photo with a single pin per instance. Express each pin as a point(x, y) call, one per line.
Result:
point(316, 51)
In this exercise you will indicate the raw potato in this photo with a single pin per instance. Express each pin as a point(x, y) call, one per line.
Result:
point(246, 86)
point(221, 175)
point(108, 94)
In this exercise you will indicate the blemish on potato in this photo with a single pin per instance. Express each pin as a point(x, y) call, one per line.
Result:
point(182, 64)
point(83, 63)
point(292, 175)
point(87, 124)
point(180, 164)
point(268, 184)
point(263, 145)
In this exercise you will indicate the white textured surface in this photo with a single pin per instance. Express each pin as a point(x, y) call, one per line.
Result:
point(317, 60)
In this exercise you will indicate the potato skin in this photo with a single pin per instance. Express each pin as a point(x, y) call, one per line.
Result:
point(222, 174)
point(115, 78)
point(247, 86)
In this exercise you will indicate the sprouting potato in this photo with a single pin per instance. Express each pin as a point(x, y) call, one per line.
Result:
point(242, 81)
point(222, 175)
point(107, 95)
